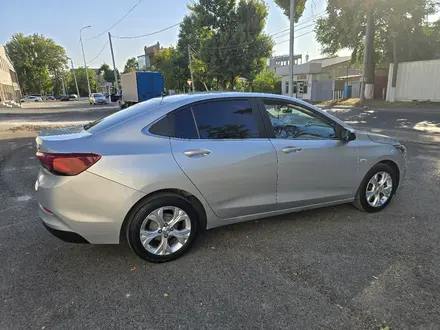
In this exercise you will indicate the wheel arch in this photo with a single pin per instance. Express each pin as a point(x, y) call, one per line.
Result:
point(193, 200)
point(394, 167)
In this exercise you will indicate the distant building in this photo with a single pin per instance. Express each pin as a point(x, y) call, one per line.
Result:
point(320, 79)
point(145, 60)
point(9, 87)
point(283, 60)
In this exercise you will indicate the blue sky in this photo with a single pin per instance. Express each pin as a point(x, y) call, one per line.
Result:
point(62, 23)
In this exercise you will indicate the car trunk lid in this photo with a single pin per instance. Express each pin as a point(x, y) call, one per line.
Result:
point(72, 139)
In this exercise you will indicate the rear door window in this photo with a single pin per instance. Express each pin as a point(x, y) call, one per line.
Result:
point(225, 119)
point(122, 115)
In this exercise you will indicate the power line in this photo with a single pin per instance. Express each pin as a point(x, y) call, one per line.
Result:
point(132, 8)
point(313, 18)
point(302, 28)
point(102, 49)
point(240, 47)
point(148, 34)
point(301, 35)
point(171, 26)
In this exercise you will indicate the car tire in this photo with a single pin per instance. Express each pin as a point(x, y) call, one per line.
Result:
point(139, 218)
point(367, 203)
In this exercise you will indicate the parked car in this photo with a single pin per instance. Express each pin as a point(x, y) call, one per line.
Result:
point(97, 98)
point(50, 97)
point(73, 96)
point(64, 98)
point(160, 172)
point(31, 99)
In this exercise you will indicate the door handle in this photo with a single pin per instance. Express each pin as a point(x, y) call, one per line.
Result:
point(197, 152)
point(288, 150)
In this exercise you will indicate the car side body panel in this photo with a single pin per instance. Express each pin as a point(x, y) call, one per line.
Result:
point(370, 153)
point(86, 204)
point(141, 162)
point(320, 171)
point(237, 178)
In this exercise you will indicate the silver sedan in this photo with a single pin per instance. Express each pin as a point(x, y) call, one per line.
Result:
point(160, 172)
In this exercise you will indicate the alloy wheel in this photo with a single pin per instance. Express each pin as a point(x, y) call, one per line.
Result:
point(379, 189)
point(165, 230)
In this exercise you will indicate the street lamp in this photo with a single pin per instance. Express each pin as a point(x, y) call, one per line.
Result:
point(84, 56)
point(74, 76)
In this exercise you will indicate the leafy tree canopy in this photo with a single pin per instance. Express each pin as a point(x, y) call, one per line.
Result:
point(172, 63)
point(402, 20)
point(131, 65)
point(82, 81)
point(266, 82)
point(300, 5)
point(36, 58)
point(108, 73)
point(226, 39)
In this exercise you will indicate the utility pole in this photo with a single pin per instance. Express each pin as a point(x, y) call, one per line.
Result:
point(114, 65)
point(84, 57)
point(292, 47)
point(64, 86)
point(74, 77)
point(190, 68)
point(368, 53)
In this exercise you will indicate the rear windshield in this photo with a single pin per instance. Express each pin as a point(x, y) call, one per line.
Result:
point(122, 115)
point(97, 95)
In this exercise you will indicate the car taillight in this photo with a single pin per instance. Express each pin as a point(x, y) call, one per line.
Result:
point(67, 164)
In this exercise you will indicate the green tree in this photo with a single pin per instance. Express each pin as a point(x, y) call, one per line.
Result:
point(36, 58)
point(108, 73)
point(131, 65)
point(57, 88)
point(398, 24)
point(227, 39)
point(170, 61)
point(82, 81)
point(266, 82)
point(300, 5)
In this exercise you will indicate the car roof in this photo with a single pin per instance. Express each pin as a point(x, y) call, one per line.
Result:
point(201, 96)
point(184, 99)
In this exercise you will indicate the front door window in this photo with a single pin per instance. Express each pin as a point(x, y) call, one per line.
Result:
point(291, 121)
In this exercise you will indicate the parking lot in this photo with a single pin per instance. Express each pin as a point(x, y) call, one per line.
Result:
point(334, 267)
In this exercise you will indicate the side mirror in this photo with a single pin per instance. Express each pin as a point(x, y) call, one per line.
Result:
point(348, 135)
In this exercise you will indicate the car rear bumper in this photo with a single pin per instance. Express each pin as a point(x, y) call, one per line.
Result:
point(66, 236)
point(86, 205)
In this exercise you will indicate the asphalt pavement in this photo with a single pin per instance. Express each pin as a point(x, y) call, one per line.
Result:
point(331, 268)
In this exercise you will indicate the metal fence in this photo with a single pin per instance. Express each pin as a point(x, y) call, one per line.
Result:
point(419, 80)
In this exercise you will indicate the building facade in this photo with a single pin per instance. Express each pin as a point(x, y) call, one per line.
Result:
point(317, 80)
point(9, 86)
